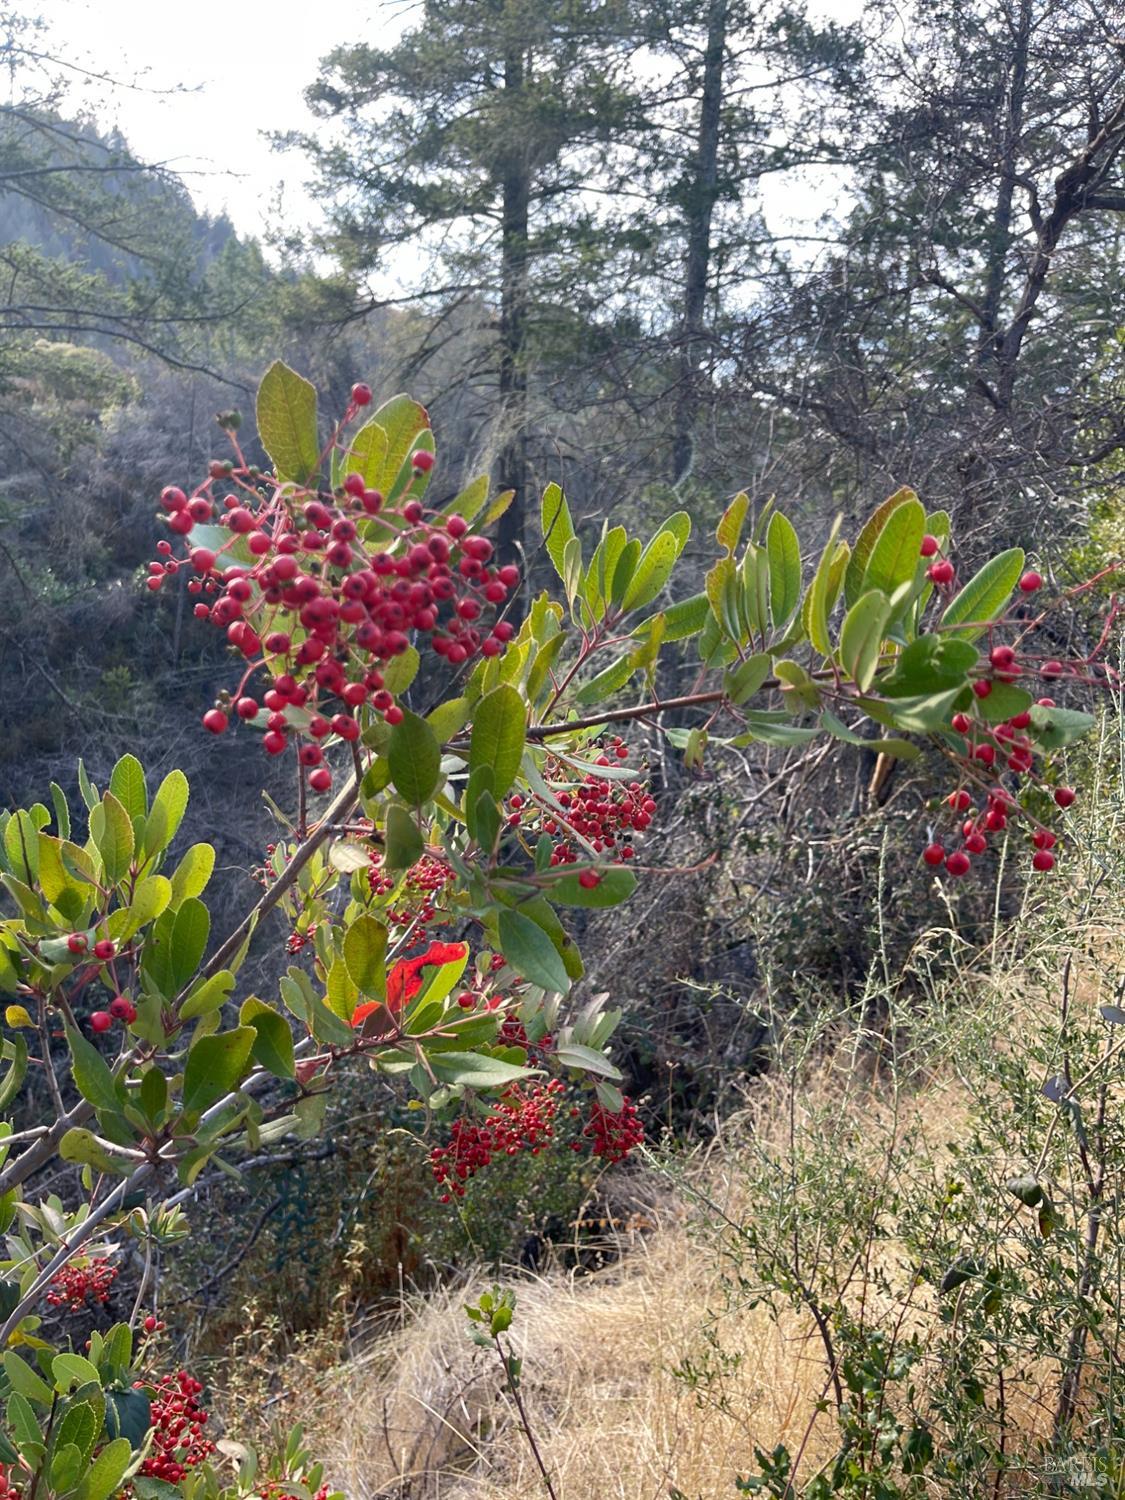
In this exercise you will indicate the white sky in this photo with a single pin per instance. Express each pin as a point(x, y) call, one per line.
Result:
point(209, 79)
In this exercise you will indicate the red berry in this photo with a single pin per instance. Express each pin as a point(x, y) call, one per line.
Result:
point(1030, 582)
point(929, 545)
point(421, 461)
point(101, 1020)
point(361, 394)
point(982, 687)
point(215, 720)
point(77, 942)
point(149, 1324)
point(105, 948)
point(589, 880)
point(959, 801)
point(121, 1008)
point(958, 864)
point(976, 843)
point(933, 854)
point(1043, 860)
point(961, 723)
point(941, 572)
point(1052, 669)
point(246, 708)
point(321, 779)
point(1064, 796)
point(274, 742)
point(393, 715)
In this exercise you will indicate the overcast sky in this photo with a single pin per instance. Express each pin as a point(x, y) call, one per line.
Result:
point(198, 83)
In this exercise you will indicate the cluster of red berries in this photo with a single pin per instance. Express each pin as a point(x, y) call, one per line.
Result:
point(178, 1420)
point(322, 603)
point(604, 813)
point(523, 1120)
point(422, 890)
point(612, 1135)
point(8, 1489)
point(74, 1286)
point(120, 1008)
point(296, 941)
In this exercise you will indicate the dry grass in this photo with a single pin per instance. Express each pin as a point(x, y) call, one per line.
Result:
point(427, 1416)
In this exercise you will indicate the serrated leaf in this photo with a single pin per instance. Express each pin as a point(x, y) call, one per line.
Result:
point(127, 783)
point(558, 528)
point(894, 557)
point(729, 529)
point(865, 543)
point(286, 414)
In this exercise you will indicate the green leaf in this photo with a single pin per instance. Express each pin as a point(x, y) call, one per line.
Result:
point(1056, 727)
point(587, 1059)
point(898, 547)
point(25, 1380)
point(365, 951)
point(128, 1414)
point(927, 714)
point(215, 1066)
point(449, 718)
point(406, 424)
point(114, 838)
point(986, 593)
point(898, 749)
point(208, 996)
point(928, 665)
point(729, 529)
point(70, 1370)
point(616, 885)
point(82, 1146)
point(91, 1073)
point(498, 736)
point(273, 1046)
point(865, 544)
point(168, 808)
point(862, 635)
point(192, 874)
point(401, 671)
point(784, 553)
point(190, 931)
point(821, 596)
point(608, 681)
point(768, 728)
point(531, 952)
point(558, 528)
point(286, 413)
point(414, 757)
point(1004, 702)
point(655, 564)
point(366, 454)
point(475, 1070)
point(403, 843)
point(742, 682)
point(127, 783)
point(682, 620)
point(107, 1471)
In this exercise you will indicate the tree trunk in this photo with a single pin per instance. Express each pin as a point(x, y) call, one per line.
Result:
point(697, 260)
point(511, 466)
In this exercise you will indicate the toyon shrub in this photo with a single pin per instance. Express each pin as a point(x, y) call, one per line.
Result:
point(464, 778)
